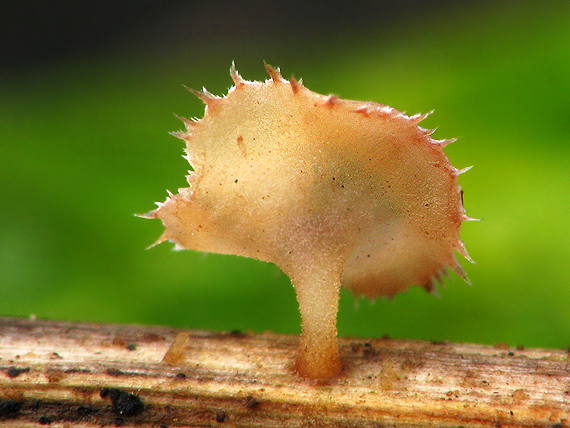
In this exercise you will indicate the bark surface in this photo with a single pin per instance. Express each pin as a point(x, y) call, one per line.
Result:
point(90, 375)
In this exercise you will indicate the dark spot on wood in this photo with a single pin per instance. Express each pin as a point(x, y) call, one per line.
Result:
point(13, 372)
point(236, 180)
point(408, 365)
point(45, 420)
point(124, 403)
point(511, 354)
point(54, 375)
point(85, 410)
point(55, 356)
point(237, 333)
point(221, 416)
point(118, 341)
point(180, 375)
point(369, 351)
point(9, 408)
point(152, 337)
point(356, 347)
point(115, 372)
point(131, 347)
point(251, 402)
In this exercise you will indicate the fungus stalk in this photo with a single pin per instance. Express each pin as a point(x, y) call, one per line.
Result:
point(334, 192)
point(318, 294)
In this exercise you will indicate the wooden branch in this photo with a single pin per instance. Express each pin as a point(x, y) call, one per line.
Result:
point(86, 375)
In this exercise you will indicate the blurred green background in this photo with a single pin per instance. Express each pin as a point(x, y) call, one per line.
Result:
point(87, 92)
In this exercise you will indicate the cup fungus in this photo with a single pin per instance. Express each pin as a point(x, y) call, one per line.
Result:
point(334, 192)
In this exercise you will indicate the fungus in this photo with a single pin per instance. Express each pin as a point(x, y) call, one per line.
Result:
point(334, 192)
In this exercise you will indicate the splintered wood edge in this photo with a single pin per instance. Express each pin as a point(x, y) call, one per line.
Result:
point(88, 375)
